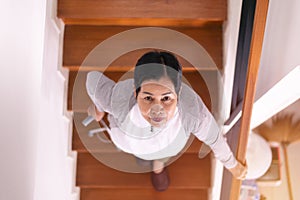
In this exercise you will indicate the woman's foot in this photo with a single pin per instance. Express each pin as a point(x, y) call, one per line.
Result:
point(160, 181)
point(160, 177)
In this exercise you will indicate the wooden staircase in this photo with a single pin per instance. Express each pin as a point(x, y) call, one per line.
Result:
point(88, 23)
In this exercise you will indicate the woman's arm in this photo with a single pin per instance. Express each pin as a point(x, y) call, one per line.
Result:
point(207, 130)
point(99, 89)
point(211, 135)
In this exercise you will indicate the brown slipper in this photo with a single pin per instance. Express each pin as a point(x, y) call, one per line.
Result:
point(160, 181)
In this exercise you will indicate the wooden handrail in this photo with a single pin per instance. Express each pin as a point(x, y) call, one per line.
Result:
point(253, 66)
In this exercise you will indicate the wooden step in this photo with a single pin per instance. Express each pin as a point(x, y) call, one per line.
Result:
point(80, 101)
point(82, 142)
point(142, 194)
point(79, 41)
point(186, 172)
point(142, 12)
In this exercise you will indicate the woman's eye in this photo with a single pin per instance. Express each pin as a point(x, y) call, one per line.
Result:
point(166, 98)
point(148, 98)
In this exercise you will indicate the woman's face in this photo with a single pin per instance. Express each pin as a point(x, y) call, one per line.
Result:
point(157, 101)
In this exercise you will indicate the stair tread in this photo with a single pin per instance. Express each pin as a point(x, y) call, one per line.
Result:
point(144, 194)
point(101, 12)
point(79, 41)
point(186, 172)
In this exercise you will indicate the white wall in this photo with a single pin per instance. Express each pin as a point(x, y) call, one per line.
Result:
point(55, 169)
point(230, 39)
point(36, 162)
point(281, 44)
point(21, 52)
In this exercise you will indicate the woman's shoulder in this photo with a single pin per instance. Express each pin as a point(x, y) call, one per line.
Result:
point(124, 86)
point(191, 107)
point(190, 101)
point(123, 92)
point(122, 98)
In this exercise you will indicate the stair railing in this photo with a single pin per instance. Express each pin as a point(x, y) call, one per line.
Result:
point(260, 16)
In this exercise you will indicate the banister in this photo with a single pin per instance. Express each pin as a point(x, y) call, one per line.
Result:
point(261, 11)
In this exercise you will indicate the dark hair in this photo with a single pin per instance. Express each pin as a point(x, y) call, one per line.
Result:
point(155, 65)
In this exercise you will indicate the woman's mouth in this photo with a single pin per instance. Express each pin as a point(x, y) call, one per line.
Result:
point(157, 119)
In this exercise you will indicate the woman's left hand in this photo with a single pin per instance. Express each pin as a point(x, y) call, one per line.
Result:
point(93, 111)
point(239, 171)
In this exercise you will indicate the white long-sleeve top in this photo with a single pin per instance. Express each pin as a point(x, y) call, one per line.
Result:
point(133, 134)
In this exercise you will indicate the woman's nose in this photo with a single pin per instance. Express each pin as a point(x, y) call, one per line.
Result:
point(156, 109)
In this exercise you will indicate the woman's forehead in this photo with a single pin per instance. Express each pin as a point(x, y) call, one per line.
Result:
point(158, 87)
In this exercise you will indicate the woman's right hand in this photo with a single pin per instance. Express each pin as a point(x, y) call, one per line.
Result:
point(93, 111)
point(239, 171)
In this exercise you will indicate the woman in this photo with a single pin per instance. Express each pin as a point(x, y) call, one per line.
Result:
point(153, 115)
